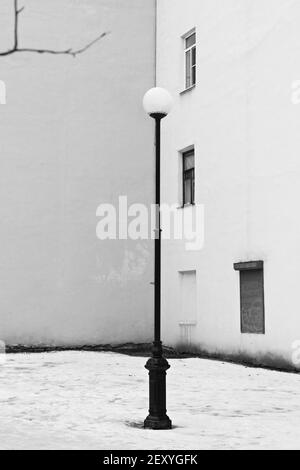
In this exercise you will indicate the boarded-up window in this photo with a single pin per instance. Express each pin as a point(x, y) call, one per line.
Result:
point(252, 297)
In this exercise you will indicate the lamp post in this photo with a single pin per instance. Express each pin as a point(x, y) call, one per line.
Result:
point(157, 103)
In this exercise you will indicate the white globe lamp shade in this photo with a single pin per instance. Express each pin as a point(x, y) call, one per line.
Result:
point(157, 101)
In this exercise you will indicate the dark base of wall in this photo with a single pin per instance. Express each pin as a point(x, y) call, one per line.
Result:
point(142, 350)
point(262, 361)
point(270, 362)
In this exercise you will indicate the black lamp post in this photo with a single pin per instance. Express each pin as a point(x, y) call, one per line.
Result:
point(157, 103)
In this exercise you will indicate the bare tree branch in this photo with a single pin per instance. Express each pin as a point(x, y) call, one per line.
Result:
point(16, 47)
point(16, 23)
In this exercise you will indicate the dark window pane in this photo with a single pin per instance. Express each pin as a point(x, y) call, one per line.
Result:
point(188, 191)
point(188, 160)
point(193, 76)
point(194, 56)
point(190, 41)
point(193, 189)
point(188, 80)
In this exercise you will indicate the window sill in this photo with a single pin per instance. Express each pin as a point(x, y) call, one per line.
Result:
point(186, 90)
point(187, 323)
point(252, 334)
point(186, 205)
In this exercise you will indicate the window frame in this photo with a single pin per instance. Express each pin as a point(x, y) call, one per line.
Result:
point(190, 78)
point(191, 173)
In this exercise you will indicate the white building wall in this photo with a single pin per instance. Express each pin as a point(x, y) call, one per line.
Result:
point(73, 135)
point(245, 130)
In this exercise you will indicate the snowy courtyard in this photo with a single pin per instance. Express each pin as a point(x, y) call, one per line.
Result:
point(90, 400)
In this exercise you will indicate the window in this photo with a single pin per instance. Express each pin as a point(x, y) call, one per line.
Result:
point(188, 296)
point(188, 314)
point(188, 177)
point(190, 60)
point(252, 297)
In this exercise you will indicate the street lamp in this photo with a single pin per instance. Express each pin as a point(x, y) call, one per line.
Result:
point(157, 103)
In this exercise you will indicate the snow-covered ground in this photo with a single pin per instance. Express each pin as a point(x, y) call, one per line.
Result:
point(90, 400)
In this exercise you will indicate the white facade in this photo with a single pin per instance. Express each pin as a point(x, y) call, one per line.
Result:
point(73, 135)
point(244, 126)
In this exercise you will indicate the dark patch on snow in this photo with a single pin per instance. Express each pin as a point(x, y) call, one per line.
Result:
point(130, 349)
point(140, 425)
point(262, 361)
point(135, 424)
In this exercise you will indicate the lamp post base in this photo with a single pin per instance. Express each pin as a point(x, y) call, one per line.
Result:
point(157, 367)
point(152, 422)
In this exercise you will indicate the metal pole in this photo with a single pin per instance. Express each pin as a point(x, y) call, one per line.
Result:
point(157, 247)
point(157, 365)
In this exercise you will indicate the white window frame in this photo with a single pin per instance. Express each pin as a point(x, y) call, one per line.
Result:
point(181, 153)
point(190, 178)
point(188, 51)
